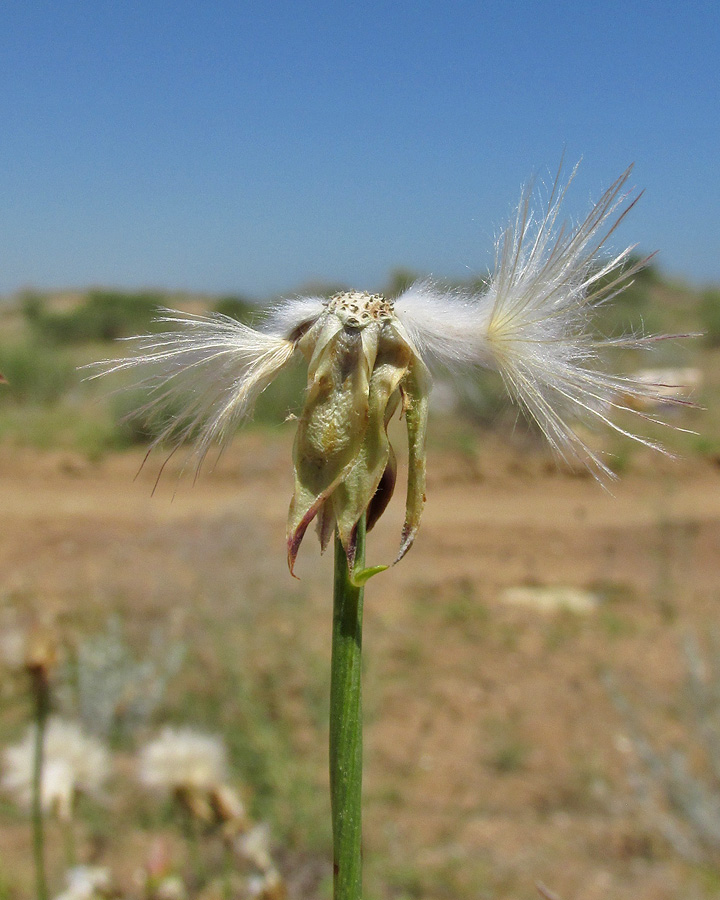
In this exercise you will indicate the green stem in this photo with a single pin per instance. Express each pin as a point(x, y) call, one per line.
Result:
point(190, 831)
point(41, 694)
point(68, 839)
point(346, 724)
point(227, 889)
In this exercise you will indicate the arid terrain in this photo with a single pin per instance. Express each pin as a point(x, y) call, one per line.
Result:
point(495, 755)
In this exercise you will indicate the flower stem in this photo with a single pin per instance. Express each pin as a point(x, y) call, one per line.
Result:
point(68, 839)
point(346, 724)
point(190, 832)
point(41, 694)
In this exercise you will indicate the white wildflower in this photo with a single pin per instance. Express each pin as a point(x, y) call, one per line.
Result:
point(72, 763)
point(182, 759)
point(368, 358)
point(13, 644)
point(171, 887)
point(254, 846)
point(268, 886)
point(86, 883)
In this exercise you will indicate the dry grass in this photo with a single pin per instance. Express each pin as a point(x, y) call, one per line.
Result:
point(492, 755)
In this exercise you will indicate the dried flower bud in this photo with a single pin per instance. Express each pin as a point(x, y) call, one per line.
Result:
point(361, 369)
point(41, 653)
point(197, 803)
point(254, 847)
point(229, 808)
point(269, 886)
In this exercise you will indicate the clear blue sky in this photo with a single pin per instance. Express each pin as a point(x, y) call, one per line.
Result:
point(237, 147)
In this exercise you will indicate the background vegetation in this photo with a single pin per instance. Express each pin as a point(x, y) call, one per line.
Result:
point(46, 338)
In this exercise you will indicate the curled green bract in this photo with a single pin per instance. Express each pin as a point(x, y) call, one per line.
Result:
point(362, 369)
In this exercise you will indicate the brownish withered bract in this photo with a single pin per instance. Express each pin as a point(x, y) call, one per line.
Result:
point(362, 369)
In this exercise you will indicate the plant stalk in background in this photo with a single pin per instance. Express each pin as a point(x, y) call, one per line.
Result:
point(41, 696)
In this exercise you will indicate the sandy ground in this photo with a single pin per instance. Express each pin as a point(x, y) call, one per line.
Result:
point(494, 754)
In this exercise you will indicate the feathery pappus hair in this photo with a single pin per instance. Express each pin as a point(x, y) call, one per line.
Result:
point(74, 763)
point(369, 357)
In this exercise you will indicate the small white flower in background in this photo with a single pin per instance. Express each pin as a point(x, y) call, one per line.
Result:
point(254, 847)
point(13, 639)
point(86, 883)
point(268, 886)
point(171, 887)
point(72, 763)
point(182, 759)
point(368, 358)
point(13, 642)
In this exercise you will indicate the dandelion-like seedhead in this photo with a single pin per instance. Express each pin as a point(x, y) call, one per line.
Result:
point(254, 846)
point(87, 883)
point(181, 759)
point(369, 357)
point(73, 763)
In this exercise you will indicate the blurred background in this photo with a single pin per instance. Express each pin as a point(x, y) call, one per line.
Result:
point(542, 672)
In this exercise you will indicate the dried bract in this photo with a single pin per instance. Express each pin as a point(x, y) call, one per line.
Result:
point(362, 368)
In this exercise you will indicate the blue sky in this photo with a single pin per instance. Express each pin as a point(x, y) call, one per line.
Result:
point(230, 147)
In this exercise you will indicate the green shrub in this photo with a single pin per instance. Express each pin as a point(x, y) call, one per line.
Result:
point(35, 374)
point(32, 307)
point(632, 310)
point(135, 420)
point(399, 281)
point(709, 312)
point(130, 420)
point(101, 316)
point(482, 397)
point(239, 308)
point(284, 397)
